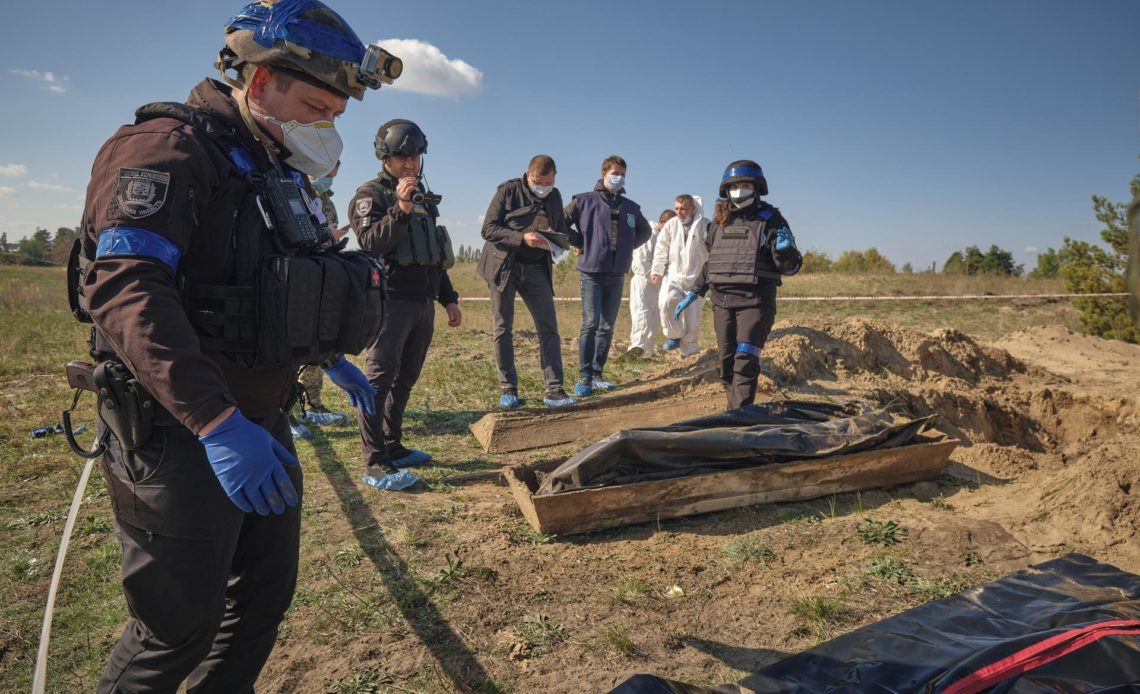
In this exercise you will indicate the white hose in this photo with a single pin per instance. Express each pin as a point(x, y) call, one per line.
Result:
point(39, 679)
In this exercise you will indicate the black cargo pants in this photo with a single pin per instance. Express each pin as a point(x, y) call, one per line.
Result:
point(740, 336)
point(393, 364)
point(205, 583)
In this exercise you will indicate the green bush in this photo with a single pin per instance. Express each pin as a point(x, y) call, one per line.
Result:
point(1092, 269)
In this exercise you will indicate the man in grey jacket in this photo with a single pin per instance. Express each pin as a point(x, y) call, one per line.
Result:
point(516, 259)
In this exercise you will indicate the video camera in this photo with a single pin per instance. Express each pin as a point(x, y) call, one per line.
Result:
point(419, 198)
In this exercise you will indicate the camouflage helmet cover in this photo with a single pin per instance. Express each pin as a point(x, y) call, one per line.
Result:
point(301, 36)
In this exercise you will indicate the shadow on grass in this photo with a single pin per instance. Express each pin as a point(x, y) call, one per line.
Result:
point(455, 660)
point(737, 657)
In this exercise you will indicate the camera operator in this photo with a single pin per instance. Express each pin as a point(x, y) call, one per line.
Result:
point(394, 217)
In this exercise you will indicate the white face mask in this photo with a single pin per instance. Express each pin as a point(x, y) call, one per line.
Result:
point(740, 197)
point(314, 148)
point(541, 191)
point(614, 183)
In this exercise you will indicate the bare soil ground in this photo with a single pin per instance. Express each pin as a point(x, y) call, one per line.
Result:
point(449, 590)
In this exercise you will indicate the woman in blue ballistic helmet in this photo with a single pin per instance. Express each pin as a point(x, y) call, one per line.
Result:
point(750, 248)
point(191, 213)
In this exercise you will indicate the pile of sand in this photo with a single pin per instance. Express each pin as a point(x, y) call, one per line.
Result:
point(856, 348)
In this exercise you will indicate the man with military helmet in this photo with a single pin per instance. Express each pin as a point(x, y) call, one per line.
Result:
point(395, 218)
point(210, 281)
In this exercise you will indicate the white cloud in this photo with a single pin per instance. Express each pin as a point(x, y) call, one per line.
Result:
point(6, 192)
point(1031, 249)
point(428, 71)
point(13, 170)
point(48, 80)
point(36, 185)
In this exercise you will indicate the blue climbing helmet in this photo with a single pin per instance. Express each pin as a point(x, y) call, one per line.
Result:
point(309, 40)
point(740, 171)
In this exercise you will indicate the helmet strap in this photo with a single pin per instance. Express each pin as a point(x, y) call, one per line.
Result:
point(251, 123)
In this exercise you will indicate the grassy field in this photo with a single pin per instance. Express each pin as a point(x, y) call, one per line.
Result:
point(37, 478)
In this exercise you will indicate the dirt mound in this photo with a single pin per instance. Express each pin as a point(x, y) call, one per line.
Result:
point(857, 348)
point(1098, 495)
point(1107, 366)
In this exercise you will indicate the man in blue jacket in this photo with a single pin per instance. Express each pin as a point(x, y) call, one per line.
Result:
point(605, 227)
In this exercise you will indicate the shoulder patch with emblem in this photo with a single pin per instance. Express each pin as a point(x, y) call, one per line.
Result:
point(630, 219)
point(140, 192)
point(363, 207)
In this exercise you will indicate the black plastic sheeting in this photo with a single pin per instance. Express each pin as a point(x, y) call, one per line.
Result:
point(772, 432)
point(935, 647)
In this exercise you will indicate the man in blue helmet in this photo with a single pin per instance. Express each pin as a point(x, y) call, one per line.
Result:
point(210, 281)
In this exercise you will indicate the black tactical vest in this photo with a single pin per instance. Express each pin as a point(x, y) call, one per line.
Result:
point(740, 252)
point(279, 306)
point(426, 242)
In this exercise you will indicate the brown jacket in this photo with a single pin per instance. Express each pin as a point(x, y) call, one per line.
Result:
point(510, 214)
point(167, 183)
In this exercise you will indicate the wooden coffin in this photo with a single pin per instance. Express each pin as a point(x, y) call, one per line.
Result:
point(581, 511)
point(649, 405)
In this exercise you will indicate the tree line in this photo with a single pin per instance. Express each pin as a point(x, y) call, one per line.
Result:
point(42, 247)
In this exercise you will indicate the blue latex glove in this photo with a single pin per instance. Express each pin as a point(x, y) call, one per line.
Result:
point(784, 239)
point(689, 299)
point(249, 463)
point(345, 374)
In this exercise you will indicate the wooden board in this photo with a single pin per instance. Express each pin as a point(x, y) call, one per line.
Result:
point(649, 405)
point(585, 510)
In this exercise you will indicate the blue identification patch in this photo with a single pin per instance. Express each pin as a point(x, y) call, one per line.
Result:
point(140, 192)
point(630, 219)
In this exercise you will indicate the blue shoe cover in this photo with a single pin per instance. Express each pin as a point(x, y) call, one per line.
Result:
point(393, 482)
point(558, 402)
point(325, 419)
point(300, 431)
point(508, 401)
point(671, 344)
point(413, 457)
point(582, 389)
point(600, 384)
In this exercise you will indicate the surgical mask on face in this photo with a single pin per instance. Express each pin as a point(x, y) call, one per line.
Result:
point(541, 191)
point(323, 184)
point(686, 221)
point(314, 148)
point(615, 182)
point(740, 197)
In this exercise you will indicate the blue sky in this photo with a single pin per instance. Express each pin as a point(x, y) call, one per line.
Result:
point(918, 128)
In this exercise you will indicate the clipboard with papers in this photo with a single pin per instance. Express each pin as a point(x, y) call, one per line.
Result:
point(556, 238)
point(557, 242)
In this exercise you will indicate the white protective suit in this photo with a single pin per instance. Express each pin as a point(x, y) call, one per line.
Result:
point(679, 256)
point(645, 317)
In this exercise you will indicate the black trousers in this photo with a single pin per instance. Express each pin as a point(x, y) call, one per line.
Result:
point(531, 281)
point(740, 335)
point(206, 584)
point(393, 364)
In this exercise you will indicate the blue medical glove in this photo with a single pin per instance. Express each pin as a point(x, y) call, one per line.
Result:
point(689, 299)
point(784, 239)
point(345, 374)
point(249, 463)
